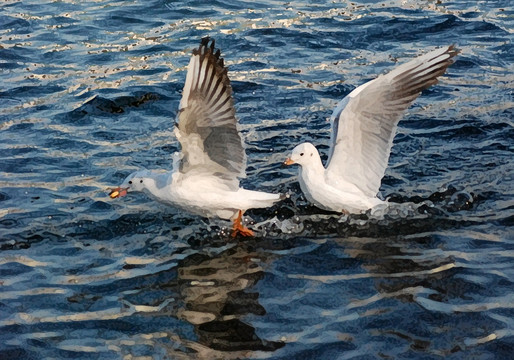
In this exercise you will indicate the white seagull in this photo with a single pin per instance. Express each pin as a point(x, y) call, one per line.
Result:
point(363, 128)
point(204, 179)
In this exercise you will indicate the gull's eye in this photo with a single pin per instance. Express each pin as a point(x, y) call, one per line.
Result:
point(301, 154)
point(141, 181)
point(130, 182)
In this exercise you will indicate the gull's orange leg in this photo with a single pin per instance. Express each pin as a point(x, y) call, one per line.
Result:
point(238, 227)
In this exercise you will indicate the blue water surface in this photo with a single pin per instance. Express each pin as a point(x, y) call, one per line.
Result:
point(89, 93)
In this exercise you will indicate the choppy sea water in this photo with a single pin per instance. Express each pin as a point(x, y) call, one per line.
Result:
point(89, 92)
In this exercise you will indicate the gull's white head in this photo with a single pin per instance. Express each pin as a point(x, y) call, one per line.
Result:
point(134, 182)
point(303, 154)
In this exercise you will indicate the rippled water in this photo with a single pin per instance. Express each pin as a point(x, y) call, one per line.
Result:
point(89, 91)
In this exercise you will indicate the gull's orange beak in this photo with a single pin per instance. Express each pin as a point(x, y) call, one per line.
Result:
point(289, 162)
point(118, 192)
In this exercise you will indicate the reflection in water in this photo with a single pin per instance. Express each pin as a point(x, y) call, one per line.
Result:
point(401, 266)
point(211, 291)
point(216, 295)
point(417, 270)
point(394, 274)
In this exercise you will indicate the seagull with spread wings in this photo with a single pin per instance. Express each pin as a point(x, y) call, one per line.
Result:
point(363, 128)
point(205, 178)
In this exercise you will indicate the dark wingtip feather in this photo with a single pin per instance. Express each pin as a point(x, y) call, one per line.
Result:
point(204, 47)
point(208, 49)
point(208, 53)
point(453, 51)
point(205, 40)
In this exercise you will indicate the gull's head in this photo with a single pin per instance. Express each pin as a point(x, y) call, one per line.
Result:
point(303, 154)
point(133, 182)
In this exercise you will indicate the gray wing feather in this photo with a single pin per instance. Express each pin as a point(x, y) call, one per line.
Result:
point(206, 122)
point(364, 123)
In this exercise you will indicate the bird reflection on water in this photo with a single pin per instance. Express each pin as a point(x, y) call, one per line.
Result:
point(212, 290)
point(217, 294)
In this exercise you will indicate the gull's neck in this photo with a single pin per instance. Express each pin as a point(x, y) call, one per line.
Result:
point(313, 171)
point(156, 182)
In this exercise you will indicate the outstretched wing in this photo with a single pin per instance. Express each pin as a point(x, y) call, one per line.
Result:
point(364, 123)
point(206, 122)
